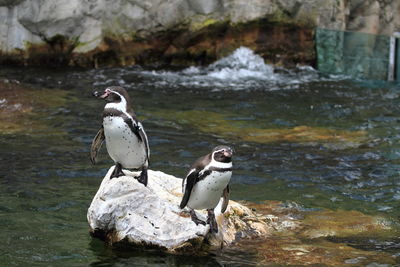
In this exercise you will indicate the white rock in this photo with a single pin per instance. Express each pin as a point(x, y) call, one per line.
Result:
point(205, 6)
point(125, 210)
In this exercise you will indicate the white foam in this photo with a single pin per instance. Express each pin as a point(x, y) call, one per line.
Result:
point(242, 70)
point(242, 64)
point(191, 70)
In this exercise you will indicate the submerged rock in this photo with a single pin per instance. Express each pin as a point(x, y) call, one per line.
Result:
point(123, 210)
point(220, 124)
point(322, 237)
point(21, 106)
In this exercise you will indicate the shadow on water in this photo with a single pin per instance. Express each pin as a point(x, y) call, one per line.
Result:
point(127, 256)
point(321, 142)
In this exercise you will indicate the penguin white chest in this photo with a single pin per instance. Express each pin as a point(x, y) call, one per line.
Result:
point(123, 146)
point(207, 192)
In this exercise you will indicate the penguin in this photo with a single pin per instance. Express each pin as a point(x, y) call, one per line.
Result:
point(206, 182)
point(125, 138)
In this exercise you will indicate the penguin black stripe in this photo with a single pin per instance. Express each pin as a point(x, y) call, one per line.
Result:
point(110, 112)
point(220, 169)
point(211, 169)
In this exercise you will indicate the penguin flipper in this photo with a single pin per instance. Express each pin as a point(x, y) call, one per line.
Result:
point(225, 200)
point(137, 128)
point(191, 180)
point(143, 137)
point(96, 145)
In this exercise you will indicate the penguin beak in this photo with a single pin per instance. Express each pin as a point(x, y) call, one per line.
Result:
point(101, 94)
point(228, 153)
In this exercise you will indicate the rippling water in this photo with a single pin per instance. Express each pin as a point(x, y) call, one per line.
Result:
point(47, 182)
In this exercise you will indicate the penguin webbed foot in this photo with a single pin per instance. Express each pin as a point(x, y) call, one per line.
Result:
point(195, 219)
point(143, 177)
point(211, 221)
point(117, 171)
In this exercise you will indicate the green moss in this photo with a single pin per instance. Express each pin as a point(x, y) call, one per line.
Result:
point(195, 26)
point(78, 43)
point(280, 17)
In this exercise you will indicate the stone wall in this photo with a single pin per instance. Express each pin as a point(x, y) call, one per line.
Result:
point(120, 32)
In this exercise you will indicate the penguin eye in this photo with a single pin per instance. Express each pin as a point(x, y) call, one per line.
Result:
point(115, 95)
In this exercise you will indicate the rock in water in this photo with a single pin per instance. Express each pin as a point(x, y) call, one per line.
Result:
point(123, 210)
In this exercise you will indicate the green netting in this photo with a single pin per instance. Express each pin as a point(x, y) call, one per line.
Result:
point(356, 54)
point(397, 66)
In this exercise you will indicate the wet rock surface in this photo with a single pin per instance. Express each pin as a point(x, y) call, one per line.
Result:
point(124, 212)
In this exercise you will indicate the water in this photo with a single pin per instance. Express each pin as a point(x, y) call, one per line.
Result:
point(318, 141)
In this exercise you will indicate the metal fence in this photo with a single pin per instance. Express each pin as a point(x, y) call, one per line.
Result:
point(356, 54)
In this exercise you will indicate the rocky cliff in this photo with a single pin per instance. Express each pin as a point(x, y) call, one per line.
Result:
point(120, 32)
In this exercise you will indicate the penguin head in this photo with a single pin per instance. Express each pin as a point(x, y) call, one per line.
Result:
point(222, 153)
point(113, 94)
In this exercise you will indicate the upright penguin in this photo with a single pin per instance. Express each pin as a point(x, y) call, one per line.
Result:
point(126, 140)
point(206, 182)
